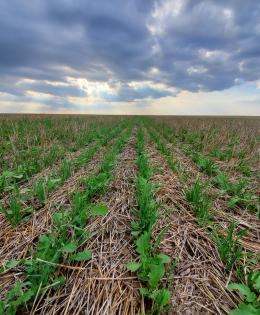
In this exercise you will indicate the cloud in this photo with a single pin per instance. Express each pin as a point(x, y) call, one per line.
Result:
point(128, 93)
point(185, 45)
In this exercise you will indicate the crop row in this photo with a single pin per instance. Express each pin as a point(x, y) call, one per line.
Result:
point(29, 136)
point(231, 143)
point(241, 193)
point(23, 202)
point(227, 244)
point(33, 160)
point(150, 266)
point(65, 242)
point(62, 245)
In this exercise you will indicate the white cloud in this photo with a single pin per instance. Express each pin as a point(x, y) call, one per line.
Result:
point(196, 70)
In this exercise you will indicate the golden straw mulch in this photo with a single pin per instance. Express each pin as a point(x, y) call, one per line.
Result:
point(44, 173)
point(224, 215)
point(15, 243)
point(103, 285)
point(200, 276)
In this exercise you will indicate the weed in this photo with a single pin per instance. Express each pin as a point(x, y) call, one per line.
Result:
point(201, 203)
point(151, 266)
point(14, 213)
point(251, 293)
point(43, 187)
point(65, 170)
point(229, 249)
point(8, 180)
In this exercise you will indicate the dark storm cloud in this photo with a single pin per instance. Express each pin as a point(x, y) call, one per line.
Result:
point(127, 93)
point(197, 45)
point(61, 90)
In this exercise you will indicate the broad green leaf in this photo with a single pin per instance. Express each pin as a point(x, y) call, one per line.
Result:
point(69, 248)
point(143, 244)
point(164, 258)
point(25, 297)
point(133, 266)
point(134, 225)
point(144, 291)
point(256, 280)
point(28, 210)
point(245, 309)
point(81, 256)
point(245, 290)
point(99, 209)
point(163, 297)
point(11, 264)
point(155, 275)
point(54, 181)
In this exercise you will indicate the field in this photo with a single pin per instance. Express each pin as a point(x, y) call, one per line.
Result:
point(129, 215)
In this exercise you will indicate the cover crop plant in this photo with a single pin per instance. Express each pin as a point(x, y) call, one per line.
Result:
point(63, 242)
point(44, 186)
point(251, 293)
point(228, 246)
point(150, 267)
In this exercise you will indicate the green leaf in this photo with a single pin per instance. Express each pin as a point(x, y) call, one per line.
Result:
point(143, 244)
point(58, 282)
point(164, 259)
point(2, 307)
point(81, 256)
point(233, 201)
point(163, 297)
point(69, 248)
point(99, 209)
point(245, 309)
point(155, 275)
point(135, 233)
point(19, 176)
point(11, 264)
point(24, 298)
point(242, 233)
point(133, 266)
point(135, 225)
point(245, 290)
point(256, 280)
point(144, 291)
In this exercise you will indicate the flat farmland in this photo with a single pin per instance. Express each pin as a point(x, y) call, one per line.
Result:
point(129, 215)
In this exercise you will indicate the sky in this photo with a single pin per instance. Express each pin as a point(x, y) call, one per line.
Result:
point(163, 57)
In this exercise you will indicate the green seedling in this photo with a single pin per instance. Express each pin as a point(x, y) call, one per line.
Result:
point(194, 194)
point(65, 170)
point(222, 155)
point(8, 180)
point(151, 266)
point(238, 191)
point(147, 214)
point(251, 293)
point(40, 270)
point(244, 168)
point(205, 164)
point(229, 249)
point(43, 187)
point(151, 270)
point(14, 213)
point(201, 203)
